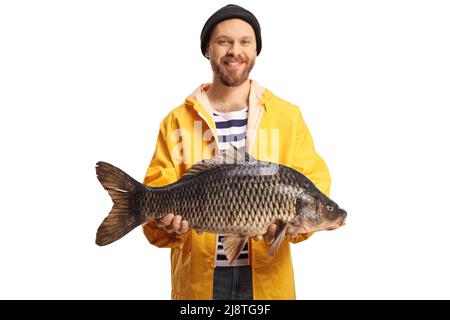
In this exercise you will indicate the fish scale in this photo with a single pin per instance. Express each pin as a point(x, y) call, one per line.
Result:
point(241, 198)
point(233, 199)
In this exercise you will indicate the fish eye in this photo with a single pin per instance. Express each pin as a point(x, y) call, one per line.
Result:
point(330, 208)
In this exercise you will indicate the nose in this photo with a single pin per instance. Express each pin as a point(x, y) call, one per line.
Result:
point(234, 49)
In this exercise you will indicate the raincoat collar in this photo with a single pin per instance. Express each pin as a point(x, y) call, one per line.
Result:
point(258, 99)
point(199, 99)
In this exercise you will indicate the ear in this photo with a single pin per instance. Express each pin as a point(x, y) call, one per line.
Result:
point(207, 52)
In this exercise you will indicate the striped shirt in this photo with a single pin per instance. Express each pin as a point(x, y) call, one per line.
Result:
point(231, 128)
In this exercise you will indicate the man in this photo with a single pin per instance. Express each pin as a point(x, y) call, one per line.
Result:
point(255, 119)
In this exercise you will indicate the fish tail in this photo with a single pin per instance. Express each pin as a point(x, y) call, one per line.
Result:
point(125, 213)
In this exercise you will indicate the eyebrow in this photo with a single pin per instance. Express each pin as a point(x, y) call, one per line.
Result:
point(227, 37)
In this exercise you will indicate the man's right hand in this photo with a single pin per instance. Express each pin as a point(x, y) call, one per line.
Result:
point(171, 223)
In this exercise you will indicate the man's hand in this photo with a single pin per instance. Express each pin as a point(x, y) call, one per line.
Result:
point(269, 236)
point(171, 223)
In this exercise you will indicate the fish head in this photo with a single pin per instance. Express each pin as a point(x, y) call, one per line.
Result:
point(315, 211)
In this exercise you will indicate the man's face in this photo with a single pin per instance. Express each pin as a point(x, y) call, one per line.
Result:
point(232, 51)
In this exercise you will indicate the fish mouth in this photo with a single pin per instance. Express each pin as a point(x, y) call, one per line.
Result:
point(341, 220)
point(339, 223)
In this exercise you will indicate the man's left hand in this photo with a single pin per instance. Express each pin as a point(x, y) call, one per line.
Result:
point(269, 236)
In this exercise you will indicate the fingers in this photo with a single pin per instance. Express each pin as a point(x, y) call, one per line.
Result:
point(165, 221)
point(258, 237)
point(173, 223)
point(184, 226)
point(292, 232)
point(270, 234)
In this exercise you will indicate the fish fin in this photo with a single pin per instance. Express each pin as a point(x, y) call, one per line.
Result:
point(231, 155)
point(278, 238)
point(234, 155)
point(249, 158)
point(233, 245)
point(201, 167)
point(124, 215)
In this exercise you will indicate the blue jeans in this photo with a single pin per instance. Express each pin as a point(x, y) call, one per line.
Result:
point(233, 283)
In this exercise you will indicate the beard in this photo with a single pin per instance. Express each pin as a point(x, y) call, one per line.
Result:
point(232, 78)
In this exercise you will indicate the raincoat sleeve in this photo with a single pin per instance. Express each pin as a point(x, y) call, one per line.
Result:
point(160, 172)
point(309, 163)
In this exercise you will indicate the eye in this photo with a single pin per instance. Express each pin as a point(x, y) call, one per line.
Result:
point(330, 208)
point(224, 41)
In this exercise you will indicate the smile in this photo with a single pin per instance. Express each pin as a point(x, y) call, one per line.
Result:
point(233, 65)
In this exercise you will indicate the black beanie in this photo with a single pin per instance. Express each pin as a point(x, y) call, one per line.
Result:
point(230, 11)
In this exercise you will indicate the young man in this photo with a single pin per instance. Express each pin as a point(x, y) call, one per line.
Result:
point(231, 110)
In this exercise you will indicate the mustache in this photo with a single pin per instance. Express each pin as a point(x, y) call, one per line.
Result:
point(228, 59)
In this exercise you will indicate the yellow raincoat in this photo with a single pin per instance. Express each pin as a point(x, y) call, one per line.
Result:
point(276, 132)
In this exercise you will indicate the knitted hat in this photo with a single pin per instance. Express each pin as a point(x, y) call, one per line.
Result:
point(230, 11)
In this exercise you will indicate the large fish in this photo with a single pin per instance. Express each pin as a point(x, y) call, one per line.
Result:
point(232, 194)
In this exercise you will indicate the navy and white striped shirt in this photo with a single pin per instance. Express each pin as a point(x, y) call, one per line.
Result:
point(231, 128)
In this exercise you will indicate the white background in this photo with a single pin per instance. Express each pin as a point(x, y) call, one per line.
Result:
point(83, 81)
